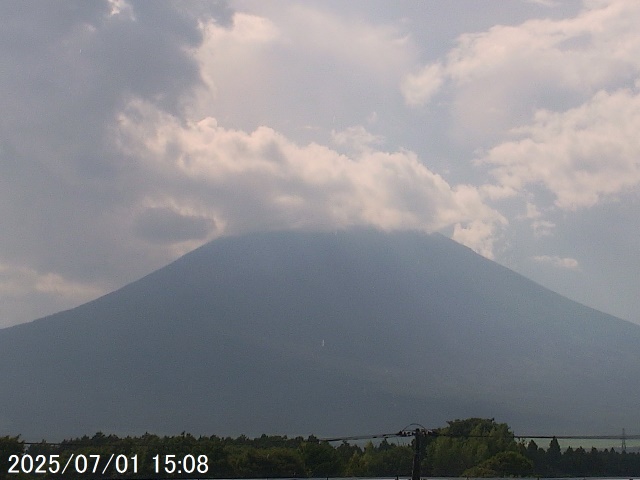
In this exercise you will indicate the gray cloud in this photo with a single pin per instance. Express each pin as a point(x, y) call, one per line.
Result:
point(65, 188)
point(163, 225)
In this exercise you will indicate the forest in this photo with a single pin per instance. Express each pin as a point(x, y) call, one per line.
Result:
point(473, 447)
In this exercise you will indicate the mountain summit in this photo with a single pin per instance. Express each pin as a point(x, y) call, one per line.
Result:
point(342, 333)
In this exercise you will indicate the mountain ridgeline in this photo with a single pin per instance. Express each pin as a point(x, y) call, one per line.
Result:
point(341, 333)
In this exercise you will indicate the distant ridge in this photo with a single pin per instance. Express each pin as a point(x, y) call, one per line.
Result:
point(351, 332)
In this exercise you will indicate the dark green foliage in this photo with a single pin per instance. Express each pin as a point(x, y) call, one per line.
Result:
point(465, 444)
point(580, 463)
point(320, 459)
point(384, 460)
point(502, 464)
point(9, 446)
point(474, 447)
point(266, 462)
point(536, 455)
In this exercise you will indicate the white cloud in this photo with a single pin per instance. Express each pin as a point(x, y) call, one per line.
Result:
point(501, 74)
point(121, 7)
point(583, 155)
point(55, 284)
point(540, 226)
point(18, 280)
point(419, 88)
point(560, 262)
point(554, 97)
point(298, 65)
point(229, 55)
point(532, 211)
point(325, 40)
point(477, 235)
point(263, 180)
point(383, 50)
point(38, 291)
point(544, 3)
point(356, 137)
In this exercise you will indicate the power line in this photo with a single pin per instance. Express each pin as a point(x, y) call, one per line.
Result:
point(436, 433)
point(420, 431)
point(405, 432)
point(362, 437)
point(581, 437)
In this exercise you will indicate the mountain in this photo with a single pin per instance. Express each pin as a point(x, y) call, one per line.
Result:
point(343, 333)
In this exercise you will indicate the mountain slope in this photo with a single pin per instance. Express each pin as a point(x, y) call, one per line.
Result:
point(297, 333)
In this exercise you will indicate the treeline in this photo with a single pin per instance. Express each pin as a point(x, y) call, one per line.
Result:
point(483, 448)
point(468, 448)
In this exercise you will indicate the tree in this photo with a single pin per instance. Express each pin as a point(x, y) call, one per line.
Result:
point(553, 456)
point(9, 446)
point(502, 464)
point(463, 444)
point(320, 459)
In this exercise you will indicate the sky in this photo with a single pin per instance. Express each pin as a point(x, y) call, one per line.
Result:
point(133, 132)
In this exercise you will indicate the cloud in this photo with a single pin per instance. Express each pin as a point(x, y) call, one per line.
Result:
point(419, 88)
point(477, 235)
point(381, 49)
point(357, 138)
point(262, 180)
point(165, 225)
point(90, 212)
point(285, 184)
point(133, 131)
point(540, 226)
point(499, 75)
point(583, 155)
point(560, 262)
point(551, 103)
point(36, 292)
point(544, 3)
point(65, 191)
point(298, 65)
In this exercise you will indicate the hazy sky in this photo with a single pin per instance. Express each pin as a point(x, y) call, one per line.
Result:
point(133, 132)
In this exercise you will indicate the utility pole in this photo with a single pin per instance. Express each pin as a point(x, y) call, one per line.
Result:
point(415, 473)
